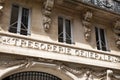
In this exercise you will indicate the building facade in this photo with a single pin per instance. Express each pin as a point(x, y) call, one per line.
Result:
point(59, 40)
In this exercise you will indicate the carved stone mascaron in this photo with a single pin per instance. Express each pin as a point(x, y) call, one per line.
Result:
point(116, 30)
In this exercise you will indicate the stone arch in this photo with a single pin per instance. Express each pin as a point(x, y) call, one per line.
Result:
point(31, 75)
point(45, 68)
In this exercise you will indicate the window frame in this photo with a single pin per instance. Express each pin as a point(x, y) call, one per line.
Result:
point(64, 29)
point(99, 36)
point(20, 19)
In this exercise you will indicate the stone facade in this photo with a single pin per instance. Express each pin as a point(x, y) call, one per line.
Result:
point(41, 50)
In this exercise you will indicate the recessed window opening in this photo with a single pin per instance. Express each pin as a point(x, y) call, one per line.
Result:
point(20, 20)
point(64, 30)
point(100, 39)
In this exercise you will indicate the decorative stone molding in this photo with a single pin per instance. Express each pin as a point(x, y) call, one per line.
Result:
point(90, 74)
point(109, 75)
point(9, 61)
point(47, 10)
point(9, 69)
point(87, 24)
point(74, 71)
point(10, 64)
point(79, 73)
point(82, 73)
point(116, 30)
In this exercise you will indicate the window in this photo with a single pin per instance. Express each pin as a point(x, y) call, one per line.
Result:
point(20, 20)
point(117, 6)
point(64, 30)
point(100, 39)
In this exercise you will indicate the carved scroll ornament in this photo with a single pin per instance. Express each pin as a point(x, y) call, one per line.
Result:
point(47, 10)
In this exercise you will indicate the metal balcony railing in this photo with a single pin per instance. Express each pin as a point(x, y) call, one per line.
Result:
point(112, 5)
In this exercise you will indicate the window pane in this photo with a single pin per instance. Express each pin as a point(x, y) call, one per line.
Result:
point(102, 36)
point(97, 38)
point(100, 39)
point(60, 29)
point(24, 21)
point(68, 31)
point(14, 19)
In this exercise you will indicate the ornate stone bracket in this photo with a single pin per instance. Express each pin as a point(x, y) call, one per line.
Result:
point(87, 24)
point(47, 10)
point(116, 30)
point(10, 64)
point(10, 61)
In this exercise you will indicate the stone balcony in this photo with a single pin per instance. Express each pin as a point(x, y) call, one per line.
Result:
point(110, 5)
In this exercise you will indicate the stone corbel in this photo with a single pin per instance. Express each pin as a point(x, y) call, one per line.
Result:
point(116, 30)
point(87, 24)
point(47, 10)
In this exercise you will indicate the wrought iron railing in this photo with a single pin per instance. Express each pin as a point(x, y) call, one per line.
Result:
point(112, 5)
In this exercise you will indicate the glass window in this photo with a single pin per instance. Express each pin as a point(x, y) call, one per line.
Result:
point(20, 20)
point(100, 39)
point(64, 30)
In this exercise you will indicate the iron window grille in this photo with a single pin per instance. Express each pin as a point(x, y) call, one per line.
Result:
point(32, 75)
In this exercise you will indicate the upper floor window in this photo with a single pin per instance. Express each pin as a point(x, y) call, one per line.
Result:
point(100, 39)
point(20, 20)
point(64, 30)
point(117, 6)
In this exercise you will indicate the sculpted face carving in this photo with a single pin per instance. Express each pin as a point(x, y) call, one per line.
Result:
point(87, 25)
point(47, 11)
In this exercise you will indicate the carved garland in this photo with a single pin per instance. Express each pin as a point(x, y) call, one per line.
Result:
point(116, 30)
point(87, 25)
point(47, 10)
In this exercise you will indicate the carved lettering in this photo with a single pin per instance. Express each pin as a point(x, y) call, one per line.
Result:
point(4, 40)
